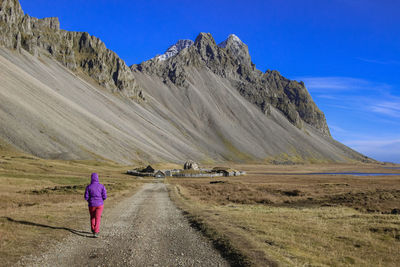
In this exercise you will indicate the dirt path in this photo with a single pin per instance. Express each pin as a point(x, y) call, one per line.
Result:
point(143, 230)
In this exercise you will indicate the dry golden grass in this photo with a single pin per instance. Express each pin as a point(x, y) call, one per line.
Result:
point(41, 201)
point(275, 217)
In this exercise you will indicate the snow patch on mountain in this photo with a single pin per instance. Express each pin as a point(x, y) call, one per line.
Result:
point(175, 49)
point(233, 38)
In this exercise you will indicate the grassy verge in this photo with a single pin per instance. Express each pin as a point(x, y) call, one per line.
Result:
point(270, 218)
point(205, 225)
point(41, 201)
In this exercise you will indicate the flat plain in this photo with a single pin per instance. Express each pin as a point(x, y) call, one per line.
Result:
point(282, 215)
point(275, 215)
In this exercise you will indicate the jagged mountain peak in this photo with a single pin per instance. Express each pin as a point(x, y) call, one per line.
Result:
point(237, 48)
point(233, 43)
point(232, 38)
point(204, 39)
point(175, 49)
point(230, 60)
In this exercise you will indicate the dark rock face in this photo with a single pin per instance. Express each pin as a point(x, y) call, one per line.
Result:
point(238, 49)
point(231, 60)
point(77, 51)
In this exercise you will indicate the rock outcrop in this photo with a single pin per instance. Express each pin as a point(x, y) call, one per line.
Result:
point(238, 49)
point(231, 60)
point(78, 51)
point(190, 165)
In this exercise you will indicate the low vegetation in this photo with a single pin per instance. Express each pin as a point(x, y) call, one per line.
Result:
point(41, 201)
point(277, 216)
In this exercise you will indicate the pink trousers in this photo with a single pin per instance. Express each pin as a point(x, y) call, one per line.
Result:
point(95, 218)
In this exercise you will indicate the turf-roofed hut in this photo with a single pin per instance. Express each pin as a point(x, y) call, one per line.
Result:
point(226, 171)
point(148, 169)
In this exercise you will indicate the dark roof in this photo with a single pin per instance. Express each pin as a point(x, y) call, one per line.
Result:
point(148, 169)
point(220, 168)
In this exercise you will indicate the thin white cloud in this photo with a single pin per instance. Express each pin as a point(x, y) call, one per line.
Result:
point(389, 108)
point(386, 111)
point(340, 84)
point(365, 102)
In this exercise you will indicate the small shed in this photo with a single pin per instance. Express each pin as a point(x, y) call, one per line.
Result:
point(226, 171)
point(231, 172)
point(159, 174)
point(219, 169)
point(223, 170)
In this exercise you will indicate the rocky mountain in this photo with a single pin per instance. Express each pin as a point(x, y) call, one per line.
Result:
point(65, 95)
point(231, 60)
point(175, 49)
point(238, 49)
point(77, 51)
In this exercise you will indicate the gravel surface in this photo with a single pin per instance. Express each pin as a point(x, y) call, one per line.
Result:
point(143, 230)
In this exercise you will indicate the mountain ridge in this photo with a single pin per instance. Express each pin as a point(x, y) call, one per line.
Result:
point(78, 51)
point(234, 63)
point(65, 95)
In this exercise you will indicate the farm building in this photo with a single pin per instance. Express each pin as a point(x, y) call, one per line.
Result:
point(191, 170)
point(148, 169)
point(226, 171)
point(159, 174)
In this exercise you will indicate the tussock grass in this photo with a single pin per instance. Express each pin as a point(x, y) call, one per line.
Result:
point(220, 240)
point(317, 236)
point(272, 217)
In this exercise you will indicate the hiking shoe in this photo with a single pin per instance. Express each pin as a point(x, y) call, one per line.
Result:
point(95, 235)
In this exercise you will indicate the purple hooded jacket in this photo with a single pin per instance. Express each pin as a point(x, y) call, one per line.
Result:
point(95, 192)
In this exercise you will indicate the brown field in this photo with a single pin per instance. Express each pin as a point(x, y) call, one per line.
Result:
point(274, 215)
point(41, 201)
point(278, 215)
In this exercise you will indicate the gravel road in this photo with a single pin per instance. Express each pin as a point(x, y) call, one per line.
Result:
point(143, 230)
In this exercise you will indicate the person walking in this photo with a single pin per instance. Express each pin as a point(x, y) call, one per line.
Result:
point(95, 194)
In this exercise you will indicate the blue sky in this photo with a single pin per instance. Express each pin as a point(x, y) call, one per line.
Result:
point(346, 51)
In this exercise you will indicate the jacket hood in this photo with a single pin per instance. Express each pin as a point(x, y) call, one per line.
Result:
point(95, 178)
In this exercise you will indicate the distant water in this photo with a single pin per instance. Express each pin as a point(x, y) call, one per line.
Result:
point(393, 168)
point(357, 173)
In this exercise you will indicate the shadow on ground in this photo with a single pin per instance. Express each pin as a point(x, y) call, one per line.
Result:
point(76, 232)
